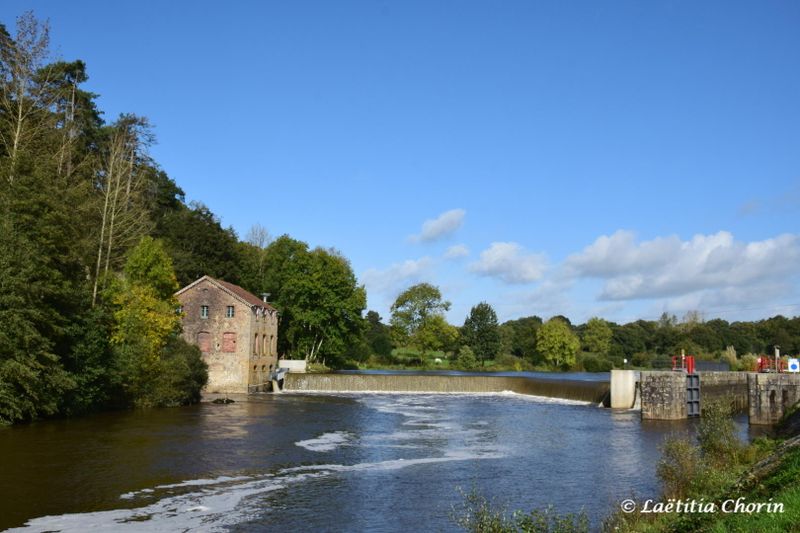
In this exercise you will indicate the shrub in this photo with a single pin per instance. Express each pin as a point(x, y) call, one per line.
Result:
point(466, 359)
point(679, 467)
point(748, 363)
point(593, 363)
point(716, 432)
point(478, 515)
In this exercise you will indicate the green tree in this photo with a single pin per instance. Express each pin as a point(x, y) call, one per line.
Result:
point(323, 304)
point(417, 317)
point(377, 335)
point(557, 343)
point(597, 336)
point(523, 336)
point(466, 359)
point(152, 366)
point(481, 331)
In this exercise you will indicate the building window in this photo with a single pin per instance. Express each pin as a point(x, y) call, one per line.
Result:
point(229, 342)
point(229, 312)
point(255, 345)
point(264, 347)
point(203, 311)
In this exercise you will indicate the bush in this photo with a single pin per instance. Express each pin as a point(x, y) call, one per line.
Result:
point(479, 515)
point(716, 432)
point(643, 359)
point(174, 378)
point(511, 362)
point(679, 467)
point(748, 363)
point(466, 359)
point(593, 363)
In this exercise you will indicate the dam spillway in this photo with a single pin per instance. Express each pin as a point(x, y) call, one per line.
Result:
point(568, 389)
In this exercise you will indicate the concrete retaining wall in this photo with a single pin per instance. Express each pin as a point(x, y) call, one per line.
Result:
point(623, 388)
point(771, 395)
point(588, 391)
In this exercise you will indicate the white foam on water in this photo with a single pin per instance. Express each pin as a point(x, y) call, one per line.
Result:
point(326, 442)
point(505, 393)
point(218, 503)
point(214, 507)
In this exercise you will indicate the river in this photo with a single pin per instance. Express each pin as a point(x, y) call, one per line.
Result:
point(332, 462)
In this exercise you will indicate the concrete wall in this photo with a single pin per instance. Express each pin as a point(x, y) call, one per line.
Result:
point(294, 365)
point(588, 391)
point(623, 388)
point(771, 395)
point(664, 395)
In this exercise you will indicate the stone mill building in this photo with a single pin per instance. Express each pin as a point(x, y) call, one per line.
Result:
point(236, 331)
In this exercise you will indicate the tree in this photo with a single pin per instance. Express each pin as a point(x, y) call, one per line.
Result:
point(435, 334)
point(377, 335)
point(523, 336)
point(557, 343)
point(145, 324)
point(597, 336)
point(23, 104)
point(417, 317)
point(481, 331)
point(123, 184)
point(323, 304)
point(318, 297)
point(414, 306)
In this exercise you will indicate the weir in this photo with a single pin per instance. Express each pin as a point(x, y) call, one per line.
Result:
point(568, 389)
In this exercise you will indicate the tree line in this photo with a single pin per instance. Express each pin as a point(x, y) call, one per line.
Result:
point(95, 238)
point(417, 331)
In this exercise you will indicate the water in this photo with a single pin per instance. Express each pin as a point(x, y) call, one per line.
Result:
point(303, 462)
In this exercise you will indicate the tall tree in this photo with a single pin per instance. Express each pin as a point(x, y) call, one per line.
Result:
point(481, 331)
point(597, 336)
point(23, 101)
point(124, 182)
point(417, 316)
point(557, 343)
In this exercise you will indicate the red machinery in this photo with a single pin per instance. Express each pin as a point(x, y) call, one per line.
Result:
point(770, 364)
point(683, 363)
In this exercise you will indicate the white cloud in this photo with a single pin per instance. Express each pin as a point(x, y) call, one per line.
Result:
point(397, 275)
point(456, 252)
point(669, 267)
point(441, 226)
point(509, 262)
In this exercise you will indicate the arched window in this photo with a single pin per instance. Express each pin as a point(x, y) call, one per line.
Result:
point(265, 347)
point(255, 345)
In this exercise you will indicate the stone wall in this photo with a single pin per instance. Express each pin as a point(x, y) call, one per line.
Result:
point(241, 350)
point(664, 395)
point(771, 395)
point(729, 385)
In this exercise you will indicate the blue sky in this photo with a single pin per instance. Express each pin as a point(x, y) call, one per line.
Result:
point(582, 158)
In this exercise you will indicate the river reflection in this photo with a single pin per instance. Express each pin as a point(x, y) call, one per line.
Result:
point(375, 462)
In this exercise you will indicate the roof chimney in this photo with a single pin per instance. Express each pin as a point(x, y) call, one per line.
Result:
point(265, 297)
